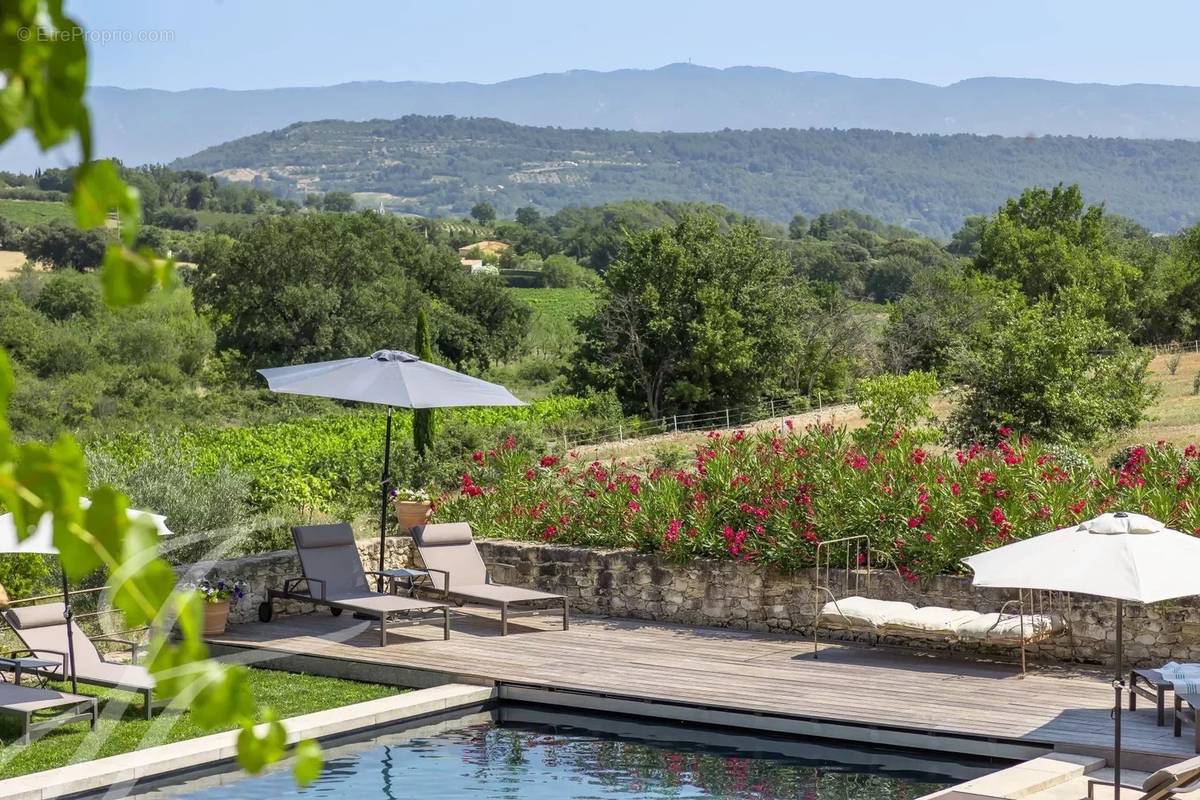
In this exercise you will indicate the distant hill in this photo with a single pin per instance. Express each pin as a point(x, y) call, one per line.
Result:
point(146, 125)
point(443, 165)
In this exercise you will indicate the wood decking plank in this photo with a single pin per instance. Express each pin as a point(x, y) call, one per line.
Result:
point(740, 670)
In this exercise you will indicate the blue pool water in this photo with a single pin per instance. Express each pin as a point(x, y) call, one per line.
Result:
point(533, 755)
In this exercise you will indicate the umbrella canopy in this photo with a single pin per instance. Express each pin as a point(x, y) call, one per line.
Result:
point(389, 378)
point(1127, 557)
point(1123, 556)
point(42, 539)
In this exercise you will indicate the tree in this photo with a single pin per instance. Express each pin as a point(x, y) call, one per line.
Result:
point(338, 201)
point(526, 215)
point(64, 247)
point(965, 241)
point(1049, 242)
point(483, 213)
point(423, 422)
point(895, 402)
point(564, 272)
point(944, 311)
point(691, 317)
point(308, 288)
point(798, 227)
point(1053, 371)
point(311, 287)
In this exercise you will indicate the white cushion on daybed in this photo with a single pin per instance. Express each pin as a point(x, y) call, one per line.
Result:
point(1006, 629)
point(863, 612)
point(931, 620)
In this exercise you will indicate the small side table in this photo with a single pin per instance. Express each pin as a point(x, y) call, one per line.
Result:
point(408, 579)
point(35, 666)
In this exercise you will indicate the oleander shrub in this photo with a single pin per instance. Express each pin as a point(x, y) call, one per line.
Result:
point(769, 498)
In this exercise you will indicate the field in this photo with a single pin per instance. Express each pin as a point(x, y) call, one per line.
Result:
point(1175, 417)
point(11, 262)
point(34, 212)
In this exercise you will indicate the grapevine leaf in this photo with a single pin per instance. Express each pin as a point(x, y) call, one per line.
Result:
point(307, 765)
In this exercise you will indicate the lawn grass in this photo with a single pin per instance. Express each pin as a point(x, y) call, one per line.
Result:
point(34, 212)
point(287, 693)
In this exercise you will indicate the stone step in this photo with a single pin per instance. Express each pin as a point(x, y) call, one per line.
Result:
point(1029, 778)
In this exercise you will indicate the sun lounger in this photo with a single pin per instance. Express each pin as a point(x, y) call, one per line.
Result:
point(43, 631)
point(24, 702)
point(456, 568)
point(334, 577)
point(1180, 780)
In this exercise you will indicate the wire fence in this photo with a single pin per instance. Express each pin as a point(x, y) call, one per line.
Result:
point(1175, 347)
point(719, 419)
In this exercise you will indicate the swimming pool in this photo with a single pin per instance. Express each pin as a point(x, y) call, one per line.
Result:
point(534, 754)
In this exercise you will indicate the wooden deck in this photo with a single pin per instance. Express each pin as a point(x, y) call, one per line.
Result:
point(749, 673)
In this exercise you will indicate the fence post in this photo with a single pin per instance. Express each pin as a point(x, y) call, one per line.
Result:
point(620, 432)
point(675, 422)
point(726, 416)
point(819, 406)
point(771, 400)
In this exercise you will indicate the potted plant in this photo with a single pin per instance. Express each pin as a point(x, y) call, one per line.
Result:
point(413, 507)
point(218, 594)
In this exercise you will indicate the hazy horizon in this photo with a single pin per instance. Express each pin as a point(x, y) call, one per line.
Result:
point(273, 44)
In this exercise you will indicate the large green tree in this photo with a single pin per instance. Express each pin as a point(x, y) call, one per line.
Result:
point(321, 286)
point(691, 317)
point(1049, 241)
point(1054, 371)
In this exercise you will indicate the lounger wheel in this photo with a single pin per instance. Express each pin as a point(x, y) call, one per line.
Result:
point(337, 612)
point(458, 601)
point(265, 611)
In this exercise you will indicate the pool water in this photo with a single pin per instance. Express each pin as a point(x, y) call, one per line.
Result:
point(533, 755)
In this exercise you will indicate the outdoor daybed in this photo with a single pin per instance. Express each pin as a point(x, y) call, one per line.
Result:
point(43, 630)
point(892, 618)
point(334, 578)
point(457, 570)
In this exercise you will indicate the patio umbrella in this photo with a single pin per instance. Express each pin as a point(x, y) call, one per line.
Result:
point(391, 378)
point(1128, 557)
point(41, 541)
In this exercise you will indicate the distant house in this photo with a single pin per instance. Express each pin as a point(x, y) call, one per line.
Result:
point(475, 266)
point(486, 246)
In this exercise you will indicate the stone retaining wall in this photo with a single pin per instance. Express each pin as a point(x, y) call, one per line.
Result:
point(727, 594)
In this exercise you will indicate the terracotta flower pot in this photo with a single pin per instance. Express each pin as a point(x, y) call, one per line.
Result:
point(412, 512)
point(215, 617)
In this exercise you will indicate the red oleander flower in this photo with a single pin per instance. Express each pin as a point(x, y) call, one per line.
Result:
point(997, 516)
point(509, 443)
point(955, 489)
point(1077, 507)
point(548, 461)
point(987, 476)
point(918, 456)
point(530, 474)
point(634, 506)
point(478, 456)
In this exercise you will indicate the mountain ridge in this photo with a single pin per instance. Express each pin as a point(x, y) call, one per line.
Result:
point(929, 182)
point(154, 125)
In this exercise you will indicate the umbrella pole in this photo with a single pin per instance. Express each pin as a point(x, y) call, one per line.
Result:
point(383, 495)
point(1118, 685)
point(70, 636)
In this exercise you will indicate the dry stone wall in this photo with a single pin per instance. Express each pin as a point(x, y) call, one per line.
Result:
point(727, 594)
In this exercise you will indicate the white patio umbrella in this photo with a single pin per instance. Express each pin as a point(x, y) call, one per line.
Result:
point(1128, 557)
point(41, 541)
point(391, 378)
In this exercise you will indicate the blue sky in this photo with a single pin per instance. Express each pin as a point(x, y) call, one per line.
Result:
point(266, 43)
